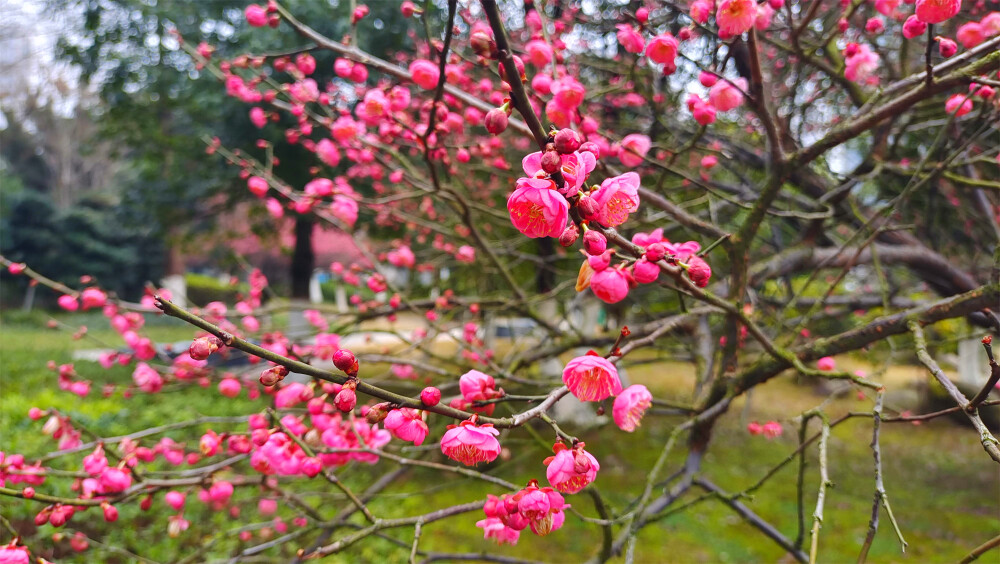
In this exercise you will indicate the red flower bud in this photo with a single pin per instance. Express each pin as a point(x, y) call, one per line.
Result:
point(430, 395)
point(594, 242)
point(496, 121)
point(345, 361)
point(346, 399)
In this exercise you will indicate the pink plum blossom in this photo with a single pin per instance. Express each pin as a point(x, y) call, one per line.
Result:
point(630, 406)
point(592, 378)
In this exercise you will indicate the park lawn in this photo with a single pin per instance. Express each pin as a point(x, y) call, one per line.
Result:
point(944, 490)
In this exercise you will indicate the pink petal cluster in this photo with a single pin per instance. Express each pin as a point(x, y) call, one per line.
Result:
point(591, 378)
point(860, 64)
point(407, 424)
point(575, 168)
point(541, 509)
point(630, 405)
point(477, 386)
point(630, 39)
point(571, 469)
point(735, 16)
point(471, 444)
point(770, 430)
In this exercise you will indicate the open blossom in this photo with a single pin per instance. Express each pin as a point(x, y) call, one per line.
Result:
point(633, 148)
point(567, 92)
point(407, 424)
point(537, 209)
point(471, 444)
point(861, 64)
point(539, 53)
point(662, 49)
point(700, 11)
point(591, 378)
point(17, 555)
point(736, 16)
point(617, 197)
point(571, 470)
point(725, 95)
point(630, 405)
point(937, 11)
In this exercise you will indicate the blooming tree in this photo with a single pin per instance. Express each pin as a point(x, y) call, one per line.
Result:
point(735, 173)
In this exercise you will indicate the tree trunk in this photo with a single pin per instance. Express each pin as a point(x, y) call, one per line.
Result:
point(303, 258)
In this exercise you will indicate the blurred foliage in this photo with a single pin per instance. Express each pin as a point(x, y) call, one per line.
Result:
point(202, 289)
point(93, 238)
point(160, 107)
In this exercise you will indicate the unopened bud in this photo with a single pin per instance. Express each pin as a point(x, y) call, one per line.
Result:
point(655, 252)
point(551, 161)
point(345, 361)
point(592, 148)
point(346, 399)
point(594, 242)
point(566, 141)
point(202, 348)
point(484, 45)
point(377, 413)
point(518, 64)
point(430, 396)
point(588, 207)
point(273, 375)
point(496, 121)
point(569, 236)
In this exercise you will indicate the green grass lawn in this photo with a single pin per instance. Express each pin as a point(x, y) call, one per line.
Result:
point(944, 490)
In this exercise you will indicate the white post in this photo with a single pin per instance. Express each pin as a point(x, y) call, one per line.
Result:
point(972, 366)
point(176, 284)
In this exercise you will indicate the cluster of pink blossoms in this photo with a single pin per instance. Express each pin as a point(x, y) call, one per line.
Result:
point(541, 509)
point(594, 378)
point(770, 430)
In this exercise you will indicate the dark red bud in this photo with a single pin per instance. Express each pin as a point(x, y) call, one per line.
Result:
point(345, 361)
point(566, 141)
point(588, 207)
point(551, 161)
point(569, 236)
point(594, 242)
